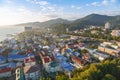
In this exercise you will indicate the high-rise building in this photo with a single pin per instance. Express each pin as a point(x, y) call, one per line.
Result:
point(107, 25)
point(67, 30)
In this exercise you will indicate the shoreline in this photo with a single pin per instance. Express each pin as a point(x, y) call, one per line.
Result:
point(6, 33)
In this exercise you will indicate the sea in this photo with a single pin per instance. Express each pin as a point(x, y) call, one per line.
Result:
point(5, 31)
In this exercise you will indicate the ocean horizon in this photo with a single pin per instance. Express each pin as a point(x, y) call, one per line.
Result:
point(4, 31)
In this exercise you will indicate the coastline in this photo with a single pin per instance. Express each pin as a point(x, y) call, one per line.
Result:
point(7, 32)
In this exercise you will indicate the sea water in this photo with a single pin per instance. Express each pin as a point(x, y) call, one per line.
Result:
point(4, 31)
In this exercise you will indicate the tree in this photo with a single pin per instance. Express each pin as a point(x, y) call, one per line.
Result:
point(61, 77)
point(106, 70)
point(84, 51)
point(108, 77)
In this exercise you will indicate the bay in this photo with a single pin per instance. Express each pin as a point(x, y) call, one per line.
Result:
point(4, 31)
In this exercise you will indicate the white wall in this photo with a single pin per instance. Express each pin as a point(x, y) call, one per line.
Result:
point(6, 74)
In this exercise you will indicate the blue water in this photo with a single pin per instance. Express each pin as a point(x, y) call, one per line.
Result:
point(9, 30)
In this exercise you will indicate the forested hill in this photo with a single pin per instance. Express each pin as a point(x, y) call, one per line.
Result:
point(92, 19)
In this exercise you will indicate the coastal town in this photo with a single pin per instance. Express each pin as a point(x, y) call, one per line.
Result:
point(41, 56)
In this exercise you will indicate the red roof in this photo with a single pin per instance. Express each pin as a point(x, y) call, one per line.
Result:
point(5, 70)
point(29, 59)
point(77, 60)
point(29, 50)
point(46, 60)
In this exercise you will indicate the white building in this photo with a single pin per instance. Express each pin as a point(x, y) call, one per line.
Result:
point(115, 33)
point(19, 74)
point(67, 30)
point(100, 56)
point(107, 25)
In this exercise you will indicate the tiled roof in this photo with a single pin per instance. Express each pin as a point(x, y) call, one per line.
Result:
point(16, 56)
point(2, 58)
point(66, 66)
point(29, 59)
point(48, 59)
point(31, 69)
point(77, 60)
point(5, 70)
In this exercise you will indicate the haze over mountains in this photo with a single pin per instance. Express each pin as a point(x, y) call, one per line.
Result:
point(92, 19)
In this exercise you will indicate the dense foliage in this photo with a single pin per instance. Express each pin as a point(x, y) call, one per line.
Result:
point(106, 70)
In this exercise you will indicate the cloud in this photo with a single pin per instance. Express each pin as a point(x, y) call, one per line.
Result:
point(105, 2)
point(76, 7)
point(45, 5)
point(113, 1)
point(45, 11)
point(72, 6)
point(95, 3)
point(10, 16)
point(40, 2)
point(102, 3)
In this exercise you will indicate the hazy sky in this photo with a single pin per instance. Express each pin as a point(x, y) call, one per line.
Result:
point(21, 11)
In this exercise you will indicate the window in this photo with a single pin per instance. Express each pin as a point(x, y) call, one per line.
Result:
point(18, 75)
point(18, 70)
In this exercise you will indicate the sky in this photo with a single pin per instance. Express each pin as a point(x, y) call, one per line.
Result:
point(22, 11)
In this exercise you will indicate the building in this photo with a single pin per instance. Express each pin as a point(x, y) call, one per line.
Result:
point(27, 28)
point(107, 26)
point(19, 74)
point(67, 30)
point(46, 60)
point(16, 57)
point(110, 51)
point(115, 33)
point(53, 67)
point(5, 72)
point(32, 72)
point(2, 59)
point(67, 67)
point(94, 32)
point(29, 61)
point(101, 56)
point(86, 57)
point(78, 61)
point(60, 58)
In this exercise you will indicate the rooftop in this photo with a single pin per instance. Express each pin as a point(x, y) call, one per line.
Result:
point(31, 69)
point(66, 66)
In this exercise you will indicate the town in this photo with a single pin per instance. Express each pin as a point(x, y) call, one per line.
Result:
point(40, 56)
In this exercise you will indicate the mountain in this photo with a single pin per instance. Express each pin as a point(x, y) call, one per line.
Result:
point(60, 24)
point(115, 21)
point(92, 19)
point(46, 23)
